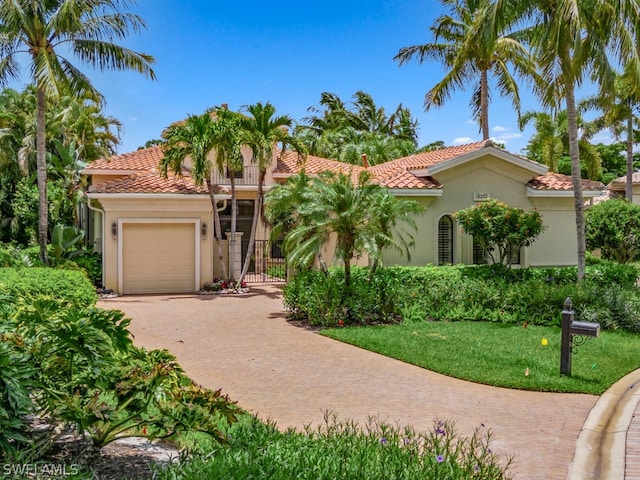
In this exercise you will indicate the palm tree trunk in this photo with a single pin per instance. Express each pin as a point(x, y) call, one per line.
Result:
point(629, 183)
point(234, 221)
point(574, 153)
point(41, 159)
point(484, 104)
point(257, 208)
point(217, 227)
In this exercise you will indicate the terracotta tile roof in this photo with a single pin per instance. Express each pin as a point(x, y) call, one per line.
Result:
point(621, 182)
point(290, 162)
point(559, 182)
point(422, 160)
point(149, 182)
point(144, 160)
point(395, 175)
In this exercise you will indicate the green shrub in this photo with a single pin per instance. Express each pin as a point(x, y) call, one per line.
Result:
point(72, 287)
point(78, 365)
point(534, 295)
point(345, 450)
point(16, 383)
point(91, 263)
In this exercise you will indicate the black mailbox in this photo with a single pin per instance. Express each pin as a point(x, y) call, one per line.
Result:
point(573, 334)
point(586, 329)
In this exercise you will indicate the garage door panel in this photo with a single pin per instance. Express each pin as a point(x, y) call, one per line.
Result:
point(158, 257)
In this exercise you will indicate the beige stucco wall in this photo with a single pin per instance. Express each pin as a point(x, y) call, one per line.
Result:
point(150, 207)
point(555, 246)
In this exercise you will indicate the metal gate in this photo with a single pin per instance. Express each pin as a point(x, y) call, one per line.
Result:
point(267, 263)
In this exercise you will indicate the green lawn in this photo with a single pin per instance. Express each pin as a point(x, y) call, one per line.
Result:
point(504, 355)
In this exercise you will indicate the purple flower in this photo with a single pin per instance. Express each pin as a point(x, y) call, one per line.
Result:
point(440, 431)
point(439, 459)
point(383, 441)
point(407, 441)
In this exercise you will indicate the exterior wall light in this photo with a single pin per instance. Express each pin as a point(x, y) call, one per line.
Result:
point(203, 231)
point(114, 230)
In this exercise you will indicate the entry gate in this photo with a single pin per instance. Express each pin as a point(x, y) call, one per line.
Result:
point(267, 263)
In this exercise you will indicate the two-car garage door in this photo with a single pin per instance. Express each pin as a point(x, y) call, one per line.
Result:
point(158, 257)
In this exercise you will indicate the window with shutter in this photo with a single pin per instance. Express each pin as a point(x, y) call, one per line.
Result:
point(445, 240)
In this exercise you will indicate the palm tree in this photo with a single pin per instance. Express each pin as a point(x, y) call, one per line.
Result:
point(44, 29)
point(572, 38)
point(263, 131)
point(344, 131)
point(620, 109)
point(282, 213)
point(194, 139)
point(361, 215)
point(551, 141)
point(335, 205)
point(82, 122)
point(471, 53)
point(227, 144)
point(391, 213)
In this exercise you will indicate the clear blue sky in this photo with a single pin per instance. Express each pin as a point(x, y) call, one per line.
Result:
point(288, 52)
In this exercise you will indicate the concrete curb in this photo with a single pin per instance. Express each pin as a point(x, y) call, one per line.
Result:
point(601, 445)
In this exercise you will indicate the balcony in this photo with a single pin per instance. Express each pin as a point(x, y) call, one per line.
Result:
point(248, 176)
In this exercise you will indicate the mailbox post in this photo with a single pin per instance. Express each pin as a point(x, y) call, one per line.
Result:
point(571, 329)
point(565, 344)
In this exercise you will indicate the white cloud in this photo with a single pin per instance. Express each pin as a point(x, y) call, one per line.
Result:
point(603, 137)
point(462, 140)
point(499, 129)
point(471, 122)
point(508, 136)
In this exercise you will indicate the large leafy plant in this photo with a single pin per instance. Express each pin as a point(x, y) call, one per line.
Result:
point(500, 229)
point(614, 227)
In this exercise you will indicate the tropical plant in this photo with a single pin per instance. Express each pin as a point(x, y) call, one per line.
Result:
point(227, 145)
point(45, 29)
point(620, 108)
point(65, 241)
point(498, 226)
point(550, 142)
point(263, 131)
point(471, 53)
point(77, 132)
point(345, 130)
point(571, 39)
point(354, 211)
point(393, 214)
point(193, 140)
point(614, 227)
point(282, 211)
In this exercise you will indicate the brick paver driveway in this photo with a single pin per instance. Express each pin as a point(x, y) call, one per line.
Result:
point(244, 345)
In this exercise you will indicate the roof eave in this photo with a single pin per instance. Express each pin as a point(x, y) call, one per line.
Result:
point(532, 192)
point(416, 192)
point(115, 171)
point(534, 167)
point(141, 196)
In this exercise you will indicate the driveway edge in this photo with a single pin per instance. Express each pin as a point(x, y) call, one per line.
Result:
point(601, 445)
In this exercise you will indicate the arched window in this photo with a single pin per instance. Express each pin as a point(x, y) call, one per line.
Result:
point(445, 240)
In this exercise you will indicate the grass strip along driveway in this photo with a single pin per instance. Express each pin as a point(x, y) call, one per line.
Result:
point(505, 355)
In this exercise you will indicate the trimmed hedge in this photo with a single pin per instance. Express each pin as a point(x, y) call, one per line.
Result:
point(536, 296)
point(69, 286)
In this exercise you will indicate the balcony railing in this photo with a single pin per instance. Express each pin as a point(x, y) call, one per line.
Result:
point(248, 176)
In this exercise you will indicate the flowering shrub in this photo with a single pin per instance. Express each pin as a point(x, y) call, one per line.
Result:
point(219, 284)
point(500, 229)
point(347, 450)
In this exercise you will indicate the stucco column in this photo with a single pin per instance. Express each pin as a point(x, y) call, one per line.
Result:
point(235, 258)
